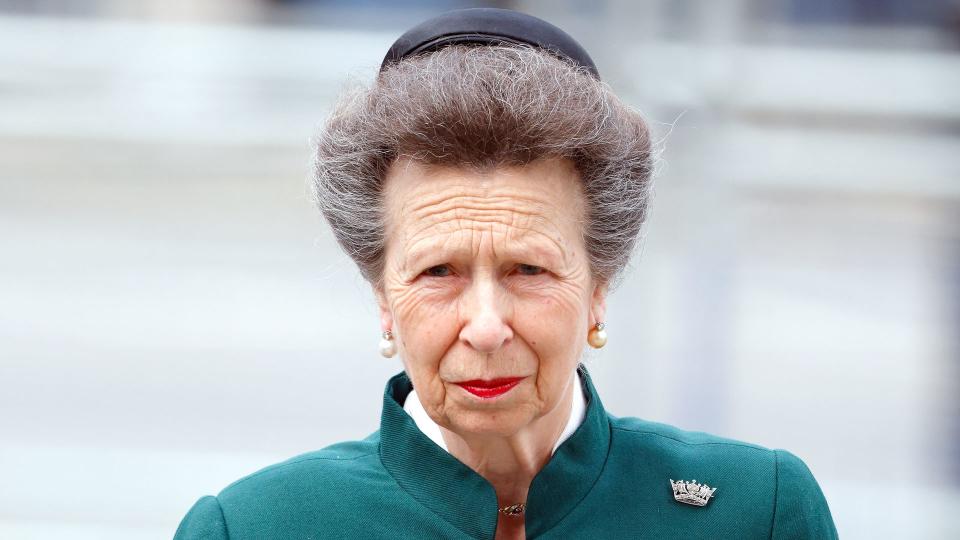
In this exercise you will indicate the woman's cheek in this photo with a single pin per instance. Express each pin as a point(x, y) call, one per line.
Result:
point(557, 321)
point(426, 319)
point(415, 303)
point(564, 302)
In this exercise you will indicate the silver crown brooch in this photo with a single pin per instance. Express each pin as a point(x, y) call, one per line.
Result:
point(691, 492)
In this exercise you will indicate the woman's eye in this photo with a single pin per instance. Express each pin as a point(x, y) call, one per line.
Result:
point(441, 270)
point(529, 269)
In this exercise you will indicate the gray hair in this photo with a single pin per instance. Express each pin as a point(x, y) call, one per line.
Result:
point(484, 107)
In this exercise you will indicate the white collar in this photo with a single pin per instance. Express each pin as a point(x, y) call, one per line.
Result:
point(415, 409)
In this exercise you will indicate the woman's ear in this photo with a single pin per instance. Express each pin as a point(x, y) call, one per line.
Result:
point(598, 303)
point(386, 316)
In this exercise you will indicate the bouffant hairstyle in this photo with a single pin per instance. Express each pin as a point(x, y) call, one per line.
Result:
point(484, 107)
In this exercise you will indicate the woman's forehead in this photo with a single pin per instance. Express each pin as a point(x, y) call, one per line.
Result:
point(429, 207)
point(548, 188)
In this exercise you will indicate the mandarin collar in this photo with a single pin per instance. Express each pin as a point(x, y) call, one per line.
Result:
point(453, 491)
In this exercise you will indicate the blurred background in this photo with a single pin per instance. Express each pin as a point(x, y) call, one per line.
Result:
point(174, 312)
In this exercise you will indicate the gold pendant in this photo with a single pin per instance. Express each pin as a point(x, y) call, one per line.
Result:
point(514, 510)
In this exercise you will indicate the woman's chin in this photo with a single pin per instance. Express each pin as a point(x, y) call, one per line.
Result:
point(487, 421)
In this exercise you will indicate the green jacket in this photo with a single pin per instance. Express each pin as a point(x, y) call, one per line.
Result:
point(610, 479)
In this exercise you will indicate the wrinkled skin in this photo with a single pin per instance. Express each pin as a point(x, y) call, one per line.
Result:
point(487, 276)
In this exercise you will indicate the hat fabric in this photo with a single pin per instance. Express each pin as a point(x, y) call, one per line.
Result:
point(487, 26)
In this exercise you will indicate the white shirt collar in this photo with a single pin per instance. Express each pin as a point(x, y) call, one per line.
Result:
point(415, 409)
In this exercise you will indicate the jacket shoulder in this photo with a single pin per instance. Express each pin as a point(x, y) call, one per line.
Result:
point(690, 452)
point(672, 436)
point(801, 510)
point(203, 521)
point(299, 496)
point(334, 461)
point(341, 467)
point(784, 499)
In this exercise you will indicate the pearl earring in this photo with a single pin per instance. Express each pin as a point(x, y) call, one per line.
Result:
point(597, 337)
point(388, 348)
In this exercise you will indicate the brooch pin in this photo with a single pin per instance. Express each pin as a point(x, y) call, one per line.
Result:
point(691, 492)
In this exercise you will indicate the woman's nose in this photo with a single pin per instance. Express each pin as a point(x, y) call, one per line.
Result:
point(486, 327)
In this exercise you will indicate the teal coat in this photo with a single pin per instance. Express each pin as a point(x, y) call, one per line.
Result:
point(610, 479)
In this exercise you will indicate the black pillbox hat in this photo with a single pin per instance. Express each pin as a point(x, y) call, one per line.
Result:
point(487, 26)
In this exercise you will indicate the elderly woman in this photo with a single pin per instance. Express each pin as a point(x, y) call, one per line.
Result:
point(490, 188)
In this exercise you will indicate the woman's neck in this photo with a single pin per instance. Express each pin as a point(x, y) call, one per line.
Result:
point(510, 463)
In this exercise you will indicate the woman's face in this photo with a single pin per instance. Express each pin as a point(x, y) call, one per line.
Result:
point(487, 282)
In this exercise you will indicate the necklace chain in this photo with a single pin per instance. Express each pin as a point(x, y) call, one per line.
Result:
point(514, 510)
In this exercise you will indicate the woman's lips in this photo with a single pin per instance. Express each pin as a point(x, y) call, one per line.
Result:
point(490, 389)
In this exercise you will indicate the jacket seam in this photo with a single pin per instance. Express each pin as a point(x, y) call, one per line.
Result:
point(284, 465)
point(776, 491)
point(688, 443)
point(226, 528)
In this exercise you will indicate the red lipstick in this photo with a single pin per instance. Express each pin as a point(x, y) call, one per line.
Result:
point(490, 389)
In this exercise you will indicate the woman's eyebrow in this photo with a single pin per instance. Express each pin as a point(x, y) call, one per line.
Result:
point(538, 254)
point(530, 253)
